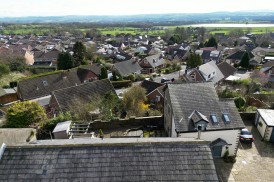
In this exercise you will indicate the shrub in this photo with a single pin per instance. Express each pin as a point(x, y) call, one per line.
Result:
point(24, 114)
point(121, 84)
point(4, 69)
point(239, 102)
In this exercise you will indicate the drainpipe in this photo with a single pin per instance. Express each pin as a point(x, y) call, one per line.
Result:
point(2, 149)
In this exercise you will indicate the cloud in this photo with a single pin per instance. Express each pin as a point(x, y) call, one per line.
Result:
point(123, 7)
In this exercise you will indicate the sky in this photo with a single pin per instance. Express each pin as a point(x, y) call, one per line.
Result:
point(17, 8)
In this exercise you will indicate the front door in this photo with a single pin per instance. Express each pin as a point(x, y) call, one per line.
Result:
point(217, 151)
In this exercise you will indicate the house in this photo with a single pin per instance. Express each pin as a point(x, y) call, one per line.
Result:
point(264, 122)
point(209, 55)
point(94, 68)
point(61, 130)
point(236, 57)
point(151, 63)
point(195, 106)
point(108, 160)
point(206, 72)
point(7, 95)
point(63, 100)
point(226, 69)
point(128, 67)
point(154, 92)
point(43, 85)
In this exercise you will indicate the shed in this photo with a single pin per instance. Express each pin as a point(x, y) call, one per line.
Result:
point(264, 122)
point(61, 130)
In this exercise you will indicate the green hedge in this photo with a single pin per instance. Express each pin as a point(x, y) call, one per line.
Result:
point(121, 84)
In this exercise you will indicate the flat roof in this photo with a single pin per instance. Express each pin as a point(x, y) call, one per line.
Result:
point(268, 116)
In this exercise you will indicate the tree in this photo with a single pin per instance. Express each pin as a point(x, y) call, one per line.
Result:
point(245, 61)
point(104, 73)
point(4, 69)
point(134, 99)
point(194, 60)
point(211, 42)
point(109, 105)
point(65, 61)
point(25, 114)
point(18, 64)
point(79, 52)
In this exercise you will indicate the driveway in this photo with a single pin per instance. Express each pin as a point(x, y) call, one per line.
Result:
point(253, 162)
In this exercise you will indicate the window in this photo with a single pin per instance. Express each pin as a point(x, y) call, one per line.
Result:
point(209, 75)
point(226, 118)
point(214, 118)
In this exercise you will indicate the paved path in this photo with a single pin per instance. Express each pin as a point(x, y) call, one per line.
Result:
point(254, 162)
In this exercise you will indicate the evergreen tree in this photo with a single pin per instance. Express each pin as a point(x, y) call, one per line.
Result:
point(194, 60)
point(245, 61)
point(65, 61)
point(211, 42)
point(104, 73)
point(79, 52)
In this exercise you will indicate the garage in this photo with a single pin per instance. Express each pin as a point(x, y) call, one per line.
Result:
point(264, 122)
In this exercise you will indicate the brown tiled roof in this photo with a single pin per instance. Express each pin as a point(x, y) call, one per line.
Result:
point(84, 92)
point(226, 69)
point(43, 85)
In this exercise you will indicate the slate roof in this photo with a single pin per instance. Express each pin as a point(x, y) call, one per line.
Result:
point(84, 92)
point(226, 69)
point(150, 85)
point(155, 60)
point(130, 162)
point(202, 97)
point(239, 54)
point(128, 67)
point(36, 87)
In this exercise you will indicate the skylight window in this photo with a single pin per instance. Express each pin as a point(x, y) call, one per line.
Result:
point(214, 118)
point(45, 83)
point(226, 118)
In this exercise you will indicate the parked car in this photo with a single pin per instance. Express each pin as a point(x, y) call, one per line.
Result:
point(163, 80)
point(246, 136)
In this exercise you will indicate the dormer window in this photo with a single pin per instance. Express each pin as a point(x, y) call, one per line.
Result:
point(226, 118)
point(45, 83)
point(209, 75)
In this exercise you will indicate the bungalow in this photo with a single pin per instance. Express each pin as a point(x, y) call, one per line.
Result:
point(236, 57)
point(151, 63)
point(63, 100)
point(128, 67)
point(264, 122)
point(194, 110)
point(43, 85)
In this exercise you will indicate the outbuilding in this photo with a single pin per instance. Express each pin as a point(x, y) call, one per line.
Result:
point(264, 122)
point(61, 130)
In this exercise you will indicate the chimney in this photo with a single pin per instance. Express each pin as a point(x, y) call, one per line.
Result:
point(2, 150)
point(199, 131)
point(185, 71)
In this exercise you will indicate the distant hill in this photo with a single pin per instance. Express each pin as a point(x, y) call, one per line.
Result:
point(265, 16)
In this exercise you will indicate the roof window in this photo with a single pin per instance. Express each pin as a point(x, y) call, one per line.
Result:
point(214, 118)
point(45, 83)
point(226, 118)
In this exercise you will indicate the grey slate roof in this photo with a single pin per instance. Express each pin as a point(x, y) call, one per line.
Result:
point(155, 60)
point(128, 67)
point(84, 92)
point(132, 162)
point(43, 85)
point(150, 85)
point(202, 97)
